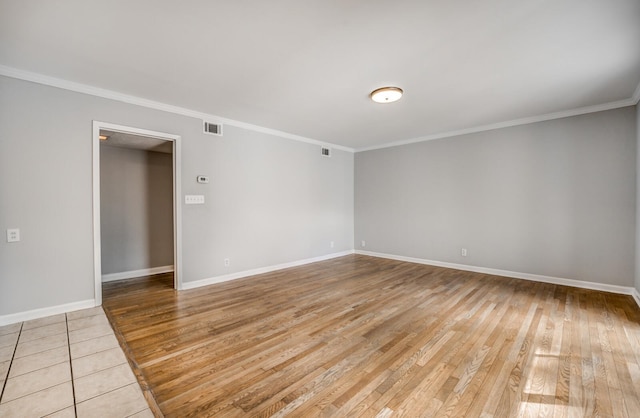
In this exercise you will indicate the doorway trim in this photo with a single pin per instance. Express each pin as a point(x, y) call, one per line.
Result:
point(177, 207)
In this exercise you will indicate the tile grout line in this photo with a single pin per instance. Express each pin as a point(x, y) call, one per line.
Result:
point(15, 348)
point(73, 387)
point(115, 389)
point(68, 346)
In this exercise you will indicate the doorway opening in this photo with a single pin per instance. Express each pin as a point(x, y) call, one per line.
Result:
point(138, 171)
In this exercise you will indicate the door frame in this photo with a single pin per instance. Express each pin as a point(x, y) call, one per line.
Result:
point(177, 207)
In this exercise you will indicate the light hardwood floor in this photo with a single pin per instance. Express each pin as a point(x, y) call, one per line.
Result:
point(363, 336)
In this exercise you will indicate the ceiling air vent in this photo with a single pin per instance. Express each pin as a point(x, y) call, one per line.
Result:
point(326, 152)
point(212, 128)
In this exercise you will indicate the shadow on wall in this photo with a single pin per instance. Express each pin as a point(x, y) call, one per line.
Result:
point(136, 205)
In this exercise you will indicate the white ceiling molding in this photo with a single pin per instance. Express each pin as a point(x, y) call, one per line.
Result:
point(491, 62)
point(516, 122)
point(151, 104)
point(113, 95)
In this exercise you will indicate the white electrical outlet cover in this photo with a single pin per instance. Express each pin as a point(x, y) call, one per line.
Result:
point(13, 235)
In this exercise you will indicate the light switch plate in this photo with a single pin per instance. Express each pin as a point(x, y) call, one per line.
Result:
point(194, 199)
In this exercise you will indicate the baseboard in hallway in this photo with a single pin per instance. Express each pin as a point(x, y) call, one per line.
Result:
point(136, 273)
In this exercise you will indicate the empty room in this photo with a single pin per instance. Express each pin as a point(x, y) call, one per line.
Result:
point(320, 209)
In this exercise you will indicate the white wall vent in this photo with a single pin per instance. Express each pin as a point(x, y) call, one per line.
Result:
point(212, 128)
point(325, 152)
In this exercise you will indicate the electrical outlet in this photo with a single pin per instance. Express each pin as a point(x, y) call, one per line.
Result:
point(227, 262)
point(13, 235)
point(363, 243)
point(463, 252)
point(331, 244)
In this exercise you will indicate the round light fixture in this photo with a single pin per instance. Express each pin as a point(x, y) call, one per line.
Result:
point(386, 94)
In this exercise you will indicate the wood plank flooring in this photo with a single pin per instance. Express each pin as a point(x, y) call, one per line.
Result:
point(369, 337)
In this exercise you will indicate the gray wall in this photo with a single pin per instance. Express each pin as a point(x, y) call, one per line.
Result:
point(136, 209)
point(271, 200)
point(554, 198)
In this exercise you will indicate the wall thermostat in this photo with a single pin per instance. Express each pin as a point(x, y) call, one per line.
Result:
point(203, 179)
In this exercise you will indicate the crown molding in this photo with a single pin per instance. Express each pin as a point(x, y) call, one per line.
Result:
point(515, 122)
point(151, 104)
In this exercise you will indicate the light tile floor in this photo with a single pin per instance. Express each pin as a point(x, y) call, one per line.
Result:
point(67, 365)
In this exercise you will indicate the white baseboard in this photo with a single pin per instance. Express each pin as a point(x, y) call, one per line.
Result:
point(42, 312)
point(90, 303)
point(636, 296)
point(136, 273)
point(261, 270)
point(611, 288)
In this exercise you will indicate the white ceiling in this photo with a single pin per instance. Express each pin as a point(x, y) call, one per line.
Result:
point(137, 142)
point(307, 67)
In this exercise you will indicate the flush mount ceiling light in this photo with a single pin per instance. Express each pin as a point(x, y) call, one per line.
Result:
point(386, 94)
point(103, 137)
